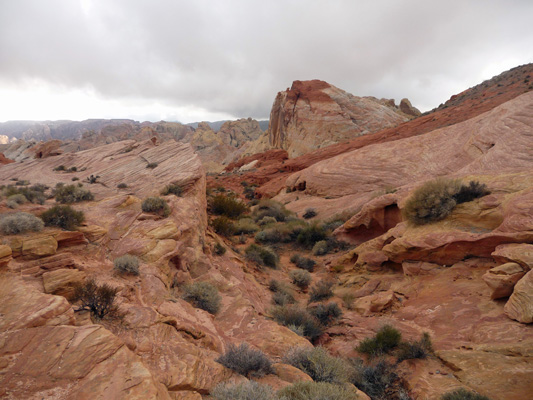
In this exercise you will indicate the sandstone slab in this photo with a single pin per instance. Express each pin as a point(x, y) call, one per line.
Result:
point(520, 305)
point(520, 253)
point(39, 247)
point(502, 279)
point(62, 282)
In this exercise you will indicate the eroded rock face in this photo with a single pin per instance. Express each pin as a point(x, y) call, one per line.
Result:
point(503, 278)
point(315, 114)
point(520, 304)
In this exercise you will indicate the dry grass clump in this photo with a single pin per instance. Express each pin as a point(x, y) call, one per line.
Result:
point(417, 349)
point(316, 391)
point(63, 217)
point(463, 394)
point(99, 300)
point(300, 278)
point(156, 205)
point(227, 205)
point(246, 361)
point(282, 294)
point(386, 339)
point(262, 255)
point(21, 222)
point(202, 295)
point(245, 226)
point(250, 390)
point(270, 208)
point(321, 291)
point(67, 194)
point(303, 262)
point(174, 189)
point(127, 264)
point(298, 320)
point(318, 364)
point(326, 313)
point(320, 248)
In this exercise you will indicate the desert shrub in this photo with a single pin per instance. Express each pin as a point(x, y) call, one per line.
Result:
point(269, 235)
point(274, 285)
point(250, 390)
point(156, 205)
point(219, 249)
point(262, 255)
point(245, 226)
point(300, 278)
point(152, 165)
point(92, 179)
point(246, 361)
point(68, 194)
point(227, 206)
point(303, 262)
point(311, 234)
point(332, 224)
point(173, 188)
point(316, 391)
point(309, 213)
point(266, 221)
point(75, 178)
point(60, 168)
point(321, 291)
point(320, 248)
point(416, 349)
point(283, 298)
point(12, 204)
point(270, 208)
point(13, 224)
point(298, 320)
point(127, 264)
point(202, 295)
point(72, 169)
point(379, 381)
point(463, 394)
point(318, 364)
point(347, 299)
point(22, 183)
point(17, 198)
point(472, 191)
point(63, 216)
point(387, 338)
point(223, 226)
point(99, 300)
point(122, 186)
point(326, 313)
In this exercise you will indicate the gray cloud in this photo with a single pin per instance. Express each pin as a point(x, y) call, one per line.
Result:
point(233, 56)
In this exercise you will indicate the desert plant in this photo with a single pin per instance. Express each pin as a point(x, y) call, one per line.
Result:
point(99, 300)
point(152, 165)
point(283, 298)
point(219, 249)
point(173, 188)
point(472, 191)
point(72, 169)
point(318, 364)
point(60, 168)
point(122, 186)
point(311, 234)
point(303, 262)
point(300, 278)
point(202, 295)
point(386, 339)
point(156, 205)
point(75, 178)
point(250, 390)
point(321, 291)
point(17, 198)
point(309, 213)
point(13, 224)
point(92, 179)
point(326, 313)
point(67, 194)
point(299, 320)
point(246, 361)
point(463, 394)
point(270, 208)
point(266, 221)
point(227, 206)
point(320, 248)
point(262, 255)
point(415, 349)
point(223, 226)
point(347, 299)
point(63, 216)
point(127, 264)
point(316, 391)
point(379, 381)
point(245, 226)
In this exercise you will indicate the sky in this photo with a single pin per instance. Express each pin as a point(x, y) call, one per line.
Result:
point(197, 60)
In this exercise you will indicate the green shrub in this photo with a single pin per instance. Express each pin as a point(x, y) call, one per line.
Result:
point(303, 262)
point(227, 206)
point(60, 168)
point(318, 364)
point(219, 249)
point(299, 320)
point(266, 221)
point(156, 205)
point(122, 186)
point(21, 222)
point(270, 235)
point(326, 313)
point(270, 208)
point(311, 234)
point(463, 394)
point(320, 248)
point(99, 300)
point(379, 381)
point(300, 278)
point(63, 217)
point(223, 226)
point(316, 391)
point(246, 361)
point(173, 188)
point(152, 165)
point(309, 213)
point(283, 298)
point(202, 295)
point(75, 178)
point(262, 255)
point(127, 264)
point(22, 183)
point(33, 194)
point(72, 169)
point(67, 194)
point(250, 390)
point(17, 198)
point(245, 226)
point(417, 349)
point(321, 291)
point(387, 338)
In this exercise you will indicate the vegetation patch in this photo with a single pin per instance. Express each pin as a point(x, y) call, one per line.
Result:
point(156, 205)
point(250, 390)
point(219, 249)
point(387, 338)
point(202, 295)
point(379, 381)
point(316, 391)
point(298, 320)
point(270, 208)
point(303, 262)
point(463, 394)
point(327, 314)
point(127, 264)
point(417, 349)
point(246, 361)
point(311, 234)
point(309, 213)
point(245, 226)
point(67, 194)
point(300, 278)
point(21, 222)
point(227, 206)
point(318, 364)
point(223, 226)
point(63, 217)
point(321, 291)
point(262, 255)
point(99, 300)
point(174, 189)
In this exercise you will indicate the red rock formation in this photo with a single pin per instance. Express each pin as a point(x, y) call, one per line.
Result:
point(4, 160)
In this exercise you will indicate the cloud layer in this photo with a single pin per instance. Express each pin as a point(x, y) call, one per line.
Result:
point(188, 59)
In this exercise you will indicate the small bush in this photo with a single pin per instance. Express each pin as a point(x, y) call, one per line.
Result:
point(463, 394)
point(321, 291)
point(12, 204)
point(122, 186)
point(270, 208)
point(250, 390)
point(152, 165)
point(227, 206)
point(173, 188)
point(303, 262)
point(63, 217)
point(283, 298)
point(262, 255)
point(60, 168)
point(320, 248)
point(387, 338)
point(326, 313)
point(203, 295)
point(267, 221)
point(318, 364)
point(17, 198)
point(99, 300)
point(298, 320)
point(270, 235)
point(472, 191)
point(75, 178)
point(309, 213)
point(72, 169)
point(245, 226)
point(33, 194)
point(68, 194)
point(300, 278)
point(92, 179)
point(219, 249)
point(223, 226)
point(379, 381)
point(316, 391)
point(311, 234)
point(156, 205)
point(21, 222)
point(246, 361)
point(127, 264)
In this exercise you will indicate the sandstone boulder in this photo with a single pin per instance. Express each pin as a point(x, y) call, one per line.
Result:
point(520, 253)
point(290, 374)
point(62, 282)
point(39, 246)
point(502, 279)
point(520, 305)
point(5, 255)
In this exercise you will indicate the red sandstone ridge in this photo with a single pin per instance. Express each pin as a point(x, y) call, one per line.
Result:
point(4, 160)
point(315, 114)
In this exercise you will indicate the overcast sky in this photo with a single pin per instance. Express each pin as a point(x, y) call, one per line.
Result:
point(210, 60)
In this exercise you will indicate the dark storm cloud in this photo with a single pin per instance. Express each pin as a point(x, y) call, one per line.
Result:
point(233, 56)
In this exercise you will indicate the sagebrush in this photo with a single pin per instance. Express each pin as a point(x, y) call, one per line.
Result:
point(246, 361)
point(203, 295)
